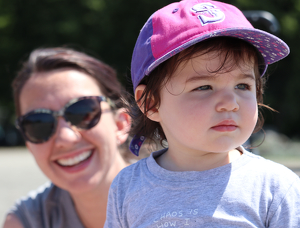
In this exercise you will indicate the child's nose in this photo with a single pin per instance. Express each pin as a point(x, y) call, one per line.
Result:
point(227, 102)
point(65, 135)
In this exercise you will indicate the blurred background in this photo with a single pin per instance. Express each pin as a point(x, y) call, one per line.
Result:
point(108, 29)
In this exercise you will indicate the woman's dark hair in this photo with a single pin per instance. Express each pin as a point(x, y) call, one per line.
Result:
point(236, 53)
point(48, 59)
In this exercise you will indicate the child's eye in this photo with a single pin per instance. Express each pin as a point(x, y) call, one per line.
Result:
point(205, 87)
point(243, 86)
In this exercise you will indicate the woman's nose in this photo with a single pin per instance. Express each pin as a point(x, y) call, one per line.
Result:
point(66, 135)
point(227, 101)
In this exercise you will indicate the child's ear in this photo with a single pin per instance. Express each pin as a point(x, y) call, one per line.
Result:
point(152, 114)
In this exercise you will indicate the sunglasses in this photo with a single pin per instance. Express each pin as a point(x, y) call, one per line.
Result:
point(39, 125)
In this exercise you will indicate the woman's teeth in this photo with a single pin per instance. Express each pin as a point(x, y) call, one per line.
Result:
point(74, 160)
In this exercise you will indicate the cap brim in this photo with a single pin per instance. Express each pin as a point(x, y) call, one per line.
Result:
point(271, 47)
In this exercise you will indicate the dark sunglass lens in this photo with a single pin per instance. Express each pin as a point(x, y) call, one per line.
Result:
point(38, 127)
point(84, 114)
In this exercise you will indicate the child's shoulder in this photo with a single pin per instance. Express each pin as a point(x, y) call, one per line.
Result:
point(260, 162)
point(130, 172)
point(260, 167)
point(133, 174)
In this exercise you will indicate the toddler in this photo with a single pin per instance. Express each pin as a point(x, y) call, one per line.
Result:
point(197, 73)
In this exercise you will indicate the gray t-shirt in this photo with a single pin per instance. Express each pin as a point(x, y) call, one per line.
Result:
point(47, 207)
point(249, 192)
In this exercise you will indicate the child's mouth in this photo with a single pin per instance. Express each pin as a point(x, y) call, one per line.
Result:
point(226, 125)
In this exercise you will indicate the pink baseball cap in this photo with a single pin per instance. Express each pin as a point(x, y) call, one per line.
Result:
point(180, 25)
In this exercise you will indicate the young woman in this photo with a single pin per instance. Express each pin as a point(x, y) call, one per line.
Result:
point(70, 112)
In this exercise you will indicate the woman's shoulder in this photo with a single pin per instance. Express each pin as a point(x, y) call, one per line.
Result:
point(29, 204)
point(39, 204)
point(39, 194)
point(38, 197)
point(12, 221)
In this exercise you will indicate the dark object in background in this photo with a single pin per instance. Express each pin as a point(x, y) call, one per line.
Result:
point(265, 21)
point(10, 136)
point(262, 18)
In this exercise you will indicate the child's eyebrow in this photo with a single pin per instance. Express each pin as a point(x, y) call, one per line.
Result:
point(213, 77)
point(199, 78)
point(249, 76)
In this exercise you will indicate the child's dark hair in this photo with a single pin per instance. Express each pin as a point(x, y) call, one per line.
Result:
point(236, 52)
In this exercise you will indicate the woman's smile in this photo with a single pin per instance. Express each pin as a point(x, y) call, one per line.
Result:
point(77, 163)
point(74, 160)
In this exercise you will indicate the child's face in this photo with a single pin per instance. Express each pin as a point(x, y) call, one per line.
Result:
point(208, 112)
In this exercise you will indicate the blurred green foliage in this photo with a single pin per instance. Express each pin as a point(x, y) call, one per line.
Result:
point(108, 29)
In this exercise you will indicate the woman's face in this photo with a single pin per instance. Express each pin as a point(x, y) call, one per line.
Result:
point(75, 160)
